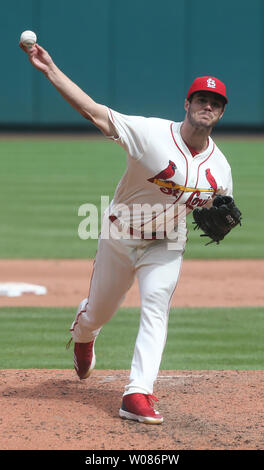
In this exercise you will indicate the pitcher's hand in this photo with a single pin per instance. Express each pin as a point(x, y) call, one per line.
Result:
point(38, 57)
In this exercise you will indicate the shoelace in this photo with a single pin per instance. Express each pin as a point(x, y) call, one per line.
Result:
point(151, 399)
point(68, 344)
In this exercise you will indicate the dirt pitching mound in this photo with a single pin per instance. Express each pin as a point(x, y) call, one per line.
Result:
point(53, 409)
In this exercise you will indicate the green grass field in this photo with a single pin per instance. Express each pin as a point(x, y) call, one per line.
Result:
point(43, 183)
point(218, 338)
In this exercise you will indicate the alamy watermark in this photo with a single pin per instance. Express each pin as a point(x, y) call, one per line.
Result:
point(138, 221)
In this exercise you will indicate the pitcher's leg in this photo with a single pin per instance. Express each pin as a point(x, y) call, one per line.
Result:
point(157, 282)
point(113, 275)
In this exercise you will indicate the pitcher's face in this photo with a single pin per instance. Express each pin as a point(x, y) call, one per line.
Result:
point(204, 110)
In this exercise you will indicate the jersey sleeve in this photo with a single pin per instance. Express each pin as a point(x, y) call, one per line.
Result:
point(132, 131)
point(229, 189)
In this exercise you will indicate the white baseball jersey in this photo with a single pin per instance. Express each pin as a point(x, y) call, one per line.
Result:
point(162, 171)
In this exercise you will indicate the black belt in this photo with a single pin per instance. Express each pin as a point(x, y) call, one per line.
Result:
point(134, 232)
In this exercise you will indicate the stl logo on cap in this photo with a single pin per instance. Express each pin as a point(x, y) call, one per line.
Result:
point(211, 83)
point(207, 83)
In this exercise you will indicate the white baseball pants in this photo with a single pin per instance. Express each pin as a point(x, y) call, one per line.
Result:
point(116, 264)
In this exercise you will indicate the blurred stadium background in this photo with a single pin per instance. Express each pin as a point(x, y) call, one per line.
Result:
point(138, 57)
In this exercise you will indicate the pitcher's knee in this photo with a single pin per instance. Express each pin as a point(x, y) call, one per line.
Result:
point(157, 300)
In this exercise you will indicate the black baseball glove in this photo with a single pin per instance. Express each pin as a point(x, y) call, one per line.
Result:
point(217, 221)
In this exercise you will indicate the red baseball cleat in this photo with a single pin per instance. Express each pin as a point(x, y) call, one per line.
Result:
point(84, 359)
point(139, 407)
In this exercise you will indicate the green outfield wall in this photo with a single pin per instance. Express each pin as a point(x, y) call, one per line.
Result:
point(138, 57)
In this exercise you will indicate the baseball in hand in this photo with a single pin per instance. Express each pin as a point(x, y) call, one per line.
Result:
point(28, 39)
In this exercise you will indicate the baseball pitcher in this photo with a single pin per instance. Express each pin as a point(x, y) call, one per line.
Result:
point(173, 168)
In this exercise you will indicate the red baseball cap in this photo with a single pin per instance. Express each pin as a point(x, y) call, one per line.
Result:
point(211, 84)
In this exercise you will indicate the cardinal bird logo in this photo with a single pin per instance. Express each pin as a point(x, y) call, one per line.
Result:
point(165, 174)
point(211, 180)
